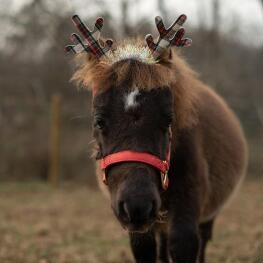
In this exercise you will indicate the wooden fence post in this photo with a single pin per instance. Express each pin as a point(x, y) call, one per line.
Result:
point(54, 141)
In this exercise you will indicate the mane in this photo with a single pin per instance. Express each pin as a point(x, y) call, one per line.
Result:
point(132, 64)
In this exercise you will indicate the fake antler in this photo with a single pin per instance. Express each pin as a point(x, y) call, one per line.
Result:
point(92, 41)
point(173, 36)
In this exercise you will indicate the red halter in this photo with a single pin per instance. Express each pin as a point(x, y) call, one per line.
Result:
point(150, 159)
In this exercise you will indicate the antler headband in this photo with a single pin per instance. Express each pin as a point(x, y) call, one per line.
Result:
point(173, 36)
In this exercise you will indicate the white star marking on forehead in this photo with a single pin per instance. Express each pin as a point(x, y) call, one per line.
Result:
point(130, 99)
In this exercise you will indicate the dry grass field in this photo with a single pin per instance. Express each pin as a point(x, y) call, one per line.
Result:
point(75, 224)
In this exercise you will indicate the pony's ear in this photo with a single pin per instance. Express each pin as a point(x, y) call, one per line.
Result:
point(170, 54)
point(166, 56)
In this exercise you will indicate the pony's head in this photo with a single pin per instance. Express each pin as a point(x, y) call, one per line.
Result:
point(135, 111)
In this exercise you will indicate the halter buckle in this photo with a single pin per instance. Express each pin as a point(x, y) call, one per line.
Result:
point(165, 181)
point(164, 177)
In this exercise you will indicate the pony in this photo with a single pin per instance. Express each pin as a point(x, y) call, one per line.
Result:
point(170, 152)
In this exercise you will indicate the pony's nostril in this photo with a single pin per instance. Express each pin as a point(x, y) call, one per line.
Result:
point(124, 211)
point(149, 210)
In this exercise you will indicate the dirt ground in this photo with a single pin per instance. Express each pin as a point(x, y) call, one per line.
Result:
point(75, 224)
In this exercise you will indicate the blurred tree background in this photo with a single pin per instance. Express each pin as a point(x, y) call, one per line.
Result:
point(33, 67)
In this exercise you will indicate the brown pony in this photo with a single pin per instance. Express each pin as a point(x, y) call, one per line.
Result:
point(150, 107)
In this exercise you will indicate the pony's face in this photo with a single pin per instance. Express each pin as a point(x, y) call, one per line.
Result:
point(128, 118)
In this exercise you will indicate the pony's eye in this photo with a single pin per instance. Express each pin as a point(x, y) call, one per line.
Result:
point(99, 123)
point(170, 119)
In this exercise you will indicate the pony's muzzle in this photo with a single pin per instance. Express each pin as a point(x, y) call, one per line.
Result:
point(137, 213)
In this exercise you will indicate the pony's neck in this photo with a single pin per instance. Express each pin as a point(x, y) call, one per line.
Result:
point(185, 91)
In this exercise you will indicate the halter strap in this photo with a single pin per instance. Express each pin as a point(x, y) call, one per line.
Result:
point(142, 157)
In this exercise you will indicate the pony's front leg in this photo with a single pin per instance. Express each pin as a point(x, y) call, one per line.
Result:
point(143, 247)
point(185, 198)
point(183, 243)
